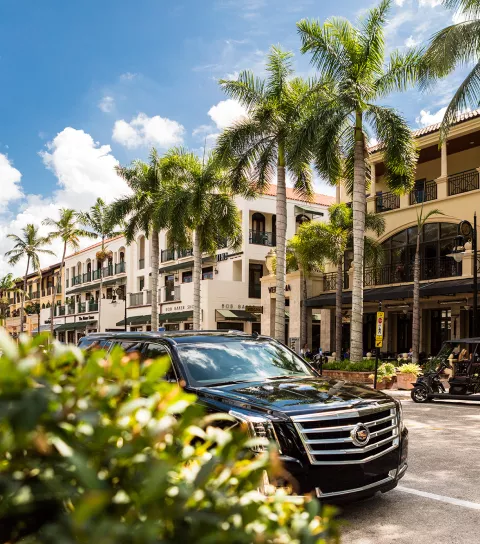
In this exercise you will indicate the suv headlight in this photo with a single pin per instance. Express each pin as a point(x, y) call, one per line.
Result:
point(258, 427)
point(401, 423)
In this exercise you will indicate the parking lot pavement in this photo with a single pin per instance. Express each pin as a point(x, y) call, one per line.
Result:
point(438, 500)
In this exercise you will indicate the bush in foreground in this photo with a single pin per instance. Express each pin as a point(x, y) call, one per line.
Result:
point(93, 450)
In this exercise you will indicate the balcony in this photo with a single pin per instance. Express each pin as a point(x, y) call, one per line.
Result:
point(70, 309)
point(330, 281)
point(463, 182)
point(425, 193)
point(136, 299)
point(171, 293)
point(107, 270)
point(261, 238)
point(120, 267)
point(76, 280)
point(92, 306)
point(167, 255)
point(33, 295)
point(430, 269)
point(185, 253)
point(82, 307)
point(59, 310)
point(97, 274)
point(384, 202)
point(87, 277)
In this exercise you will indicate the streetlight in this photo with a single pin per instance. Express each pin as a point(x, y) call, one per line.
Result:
point(467, 232)
point(121, 291)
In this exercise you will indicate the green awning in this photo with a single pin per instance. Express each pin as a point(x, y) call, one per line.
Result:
point(77, 325)
point(236, 315)
point(136, 320)
point(184, 265)
point(175, 316)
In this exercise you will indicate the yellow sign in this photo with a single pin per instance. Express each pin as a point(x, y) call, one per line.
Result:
point(379, 332)
point(379, 342)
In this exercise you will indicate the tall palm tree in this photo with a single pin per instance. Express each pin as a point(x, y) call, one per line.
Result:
point(422, 219)
point(354, 80)
point(454, 46)
point(7, 286)
point(67, 230)
point(201, 202)
point(99, 224)
point(136, 212)
point(264, 144)
point(30, 246)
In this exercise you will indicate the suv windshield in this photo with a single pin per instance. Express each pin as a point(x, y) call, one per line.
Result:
point(238, 361)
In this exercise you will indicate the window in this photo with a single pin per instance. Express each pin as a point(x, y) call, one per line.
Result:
point(141, 283)
point(187, 277)
point(258, 222)
point(90, 344)
point(131, 346)
point(188, 326)
point(154, 351)
point(109, 292)
point(207, 273)
point(255, 272)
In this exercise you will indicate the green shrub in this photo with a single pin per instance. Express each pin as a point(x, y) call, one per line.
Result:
point(346, 365)
point(93, 450)
point(410, 368)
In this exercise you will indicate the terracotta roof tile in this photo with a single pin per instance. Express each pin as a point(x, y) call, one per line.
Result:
point(323, 200)
point(417, 133)
point(93, 246)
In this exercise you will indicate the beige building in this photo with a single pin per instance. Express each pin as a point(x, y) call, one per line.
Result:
point(447, 178)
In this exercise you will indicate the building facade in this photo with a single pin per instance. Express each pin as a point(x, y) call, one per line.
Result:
point(447, 178)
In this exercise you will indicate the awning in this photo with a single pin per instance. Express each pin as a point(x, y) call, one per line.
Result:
point(136, 320)
point(43, 328)
point(78, 325)
point(236, 315)
point(433, 289)
point(176, 316)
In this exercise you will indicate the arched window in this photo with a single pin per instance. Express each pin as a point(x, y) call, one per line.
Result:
point(258, 222)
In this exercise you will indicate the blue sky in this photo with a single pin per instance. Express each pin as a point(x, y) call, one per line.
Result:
point(86, 85)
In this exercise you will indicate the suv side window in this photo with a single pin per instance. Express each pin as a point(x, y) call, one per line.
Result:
point(90, 343)
point(130, 347)
point(153, 351)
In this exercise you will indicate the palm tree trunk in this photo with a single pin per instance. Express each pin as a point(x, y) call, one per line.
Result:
point(338, 311)
point(281, 210)
point(155, 267)
point(56, 283)
point(416, 303)
point(359, 203)
point(304, 318)
point(197, 269)
point(22, 299)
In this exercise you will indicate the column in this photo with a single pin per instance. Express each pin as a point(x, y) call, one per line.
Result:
point(442, 181)
point(371, 198)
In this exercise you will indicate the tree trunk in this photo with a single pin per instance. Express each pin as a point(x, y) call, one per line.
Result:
point(56, 283)
point(281, 210)
point(197, 271)
point(101, 285)
point(155, 268)
point(416, 303)
point(22, 299)
point(304, 325)
point(338, 311)
point(359, 202)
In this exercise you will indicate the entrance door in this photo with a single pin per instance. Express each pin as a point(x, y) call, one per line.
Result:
point(404, 333)
point(257, 328)
point(169, 288)
point(369, 326)
point(441, 322)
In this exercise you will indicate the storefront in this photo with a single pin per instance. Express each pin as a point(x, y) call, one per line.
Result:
point(72, 332)
point(236, 320)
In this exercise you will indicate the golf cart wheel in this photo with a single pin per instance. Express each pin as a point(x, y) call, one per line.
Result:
point(420, 395)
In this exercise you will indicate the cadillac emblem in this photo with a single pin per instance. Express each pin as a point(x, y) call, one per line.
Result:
point(360, 435)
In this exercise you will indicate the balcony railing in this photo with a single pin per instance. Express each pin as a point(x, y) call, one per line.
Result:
point(463, 182)
point(97, 274)
point(385, 202)
point(149, 297)
point(330, 281)
point(70, 309)
point(430, 269)
point(59, 310)
point(76, 280)
point(136, 299)
point(82, 307)
point(185, 253)
point(93, 306)
point(167, 255)
point(87, 277)
point(120, 267)
point(34, 294)
point(107, 270)
point(424, 194)
point(262, 238)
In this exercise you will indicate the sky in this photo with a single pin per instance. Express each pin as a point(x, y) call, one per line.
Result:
point(87, 85)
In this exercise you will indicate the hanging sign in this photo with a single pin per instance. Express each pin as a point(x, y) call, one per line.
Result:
point(379, 330)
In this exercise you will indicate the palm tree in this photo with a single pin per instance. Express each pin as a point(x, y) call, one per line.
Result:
point(67, 230)
point(456, 45)
point(99, 223)
point(7, 285)
point(422, 219)
point(354, 78)
point(136, 211)
point(29, 245)
point(264, 143)
point(201, 202)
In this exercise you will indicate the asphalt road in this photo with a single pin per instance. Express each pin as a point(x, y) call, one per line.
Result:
point(438, 500)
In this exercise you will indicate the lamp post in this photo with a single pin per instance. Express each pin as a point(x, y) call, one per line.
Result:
point(466, 232)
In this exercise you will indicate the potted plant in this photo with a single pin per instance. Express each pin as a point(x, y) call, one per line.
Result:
point(385, 375)
point(407, 374)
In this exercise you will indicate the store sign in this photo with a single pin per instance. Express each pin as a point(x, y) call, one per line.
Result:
point(178, 308)
point(254, 309)
point(379, 330)
point(274, 289)
point(86, 317)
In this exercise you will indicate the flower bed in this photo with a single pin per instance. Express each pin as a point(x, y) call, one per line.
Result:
point(361, 377)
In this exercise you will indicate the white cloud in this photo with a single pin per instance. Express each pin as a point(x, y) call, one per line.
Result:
point(107, 104)
point(128, 76)
point(430, 3)
point(426, 118)
point(399, 2)
point(10, 182)
point(148, 131)
point(226, 112)
point(201, 130)
point(411, 42)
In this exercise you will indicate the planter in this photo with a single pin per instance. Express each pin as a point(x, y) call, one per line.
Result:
point(405, 381)
point(360, 377)
point(382, 384)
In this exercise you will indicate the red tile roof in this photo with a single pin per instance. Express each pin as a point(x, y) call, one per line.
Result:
point(323, 200)
point(432, 128)
point(94, 245)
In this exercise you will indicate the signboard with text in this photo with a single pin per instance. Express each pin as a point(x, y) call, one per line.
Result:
point(379, 329)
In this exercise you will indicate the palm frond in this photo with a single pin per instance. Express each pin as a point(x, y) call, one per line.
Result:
point(402, 71)
point(372, 38)
point(279, 68)
point(247, 89)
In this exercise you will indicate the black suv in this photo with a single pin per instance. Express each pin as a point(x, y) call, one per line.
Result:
point(337, 439)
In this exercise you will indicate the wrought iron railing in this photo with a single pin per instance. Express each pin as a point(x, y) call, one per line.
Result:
point(97, 274)
point(82, 307)
point(93, 306)
point(463, 182)
point(167, 255)
point(430, 269)
point(87, 277)
point(59, 310)
point(262, 238)
point(425, 193)
point(185, 253)
point(107, 270)
point(120, 267)
point(76, 280)
point(330, 281)
point(70, 309)
point(136, 299)
point(385, 202)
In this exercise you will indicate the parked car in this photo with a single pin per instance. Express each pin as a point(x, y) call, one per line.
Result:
point(339, 440)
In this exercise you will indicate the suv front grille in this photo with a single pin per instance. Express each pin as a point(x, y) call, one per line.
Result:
point(327, 436)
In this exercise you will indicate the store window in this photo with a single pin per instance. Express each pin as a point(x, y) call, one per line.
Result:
point(188, 326)
point(255, 272)
point(207, 273)
point(187, 277)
